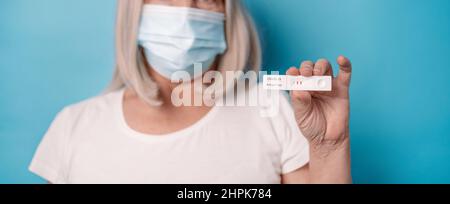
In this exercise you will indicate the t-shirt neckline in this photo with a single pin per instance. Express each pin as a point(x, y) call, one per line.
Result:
point(156, 137)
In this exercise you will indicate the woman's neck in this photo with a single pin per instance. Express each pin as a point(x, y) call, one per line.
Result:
point(165, 87)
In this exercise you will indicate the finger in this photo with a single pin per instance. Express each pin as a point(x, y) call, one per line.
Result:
point(322, 67)
point(301, 101)
point(293, 71)
point(306, 68)
point(345, 70)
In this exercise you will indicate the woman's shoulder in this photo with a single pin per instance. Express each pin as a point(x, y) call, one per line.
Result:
point(94, 106)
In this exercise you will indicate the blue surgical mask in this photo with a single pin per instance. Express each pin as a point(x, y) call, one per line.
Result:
point(176, 38)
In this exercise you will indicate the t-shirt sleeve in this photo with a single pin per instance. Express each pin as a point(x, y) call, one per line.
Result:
point(49, 157)
point(294, 146)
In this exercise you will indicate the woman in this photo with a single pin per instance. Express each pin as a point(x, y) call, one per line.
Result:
point(135, 133)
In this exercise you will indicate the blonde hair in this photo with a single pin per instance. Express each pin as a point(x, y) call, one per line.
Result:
point(243, 52)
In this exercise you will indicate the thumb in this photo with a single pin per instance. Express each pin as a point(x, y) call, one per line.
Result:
point(345, 71)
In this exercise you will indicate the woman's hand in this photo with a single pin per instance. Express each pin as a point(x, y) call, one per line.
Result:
point(323, 117)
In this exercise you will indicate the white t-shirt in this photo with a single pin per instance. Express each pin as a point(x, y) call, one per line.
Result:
point(90, 142)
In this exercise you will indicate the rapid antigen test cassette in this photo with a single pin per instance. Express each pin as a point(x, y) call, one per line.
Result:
point(297, 83)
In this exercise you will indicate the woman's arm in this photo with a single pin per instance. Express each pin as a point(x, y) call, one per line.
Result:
point(330, 167)
point(323, 118)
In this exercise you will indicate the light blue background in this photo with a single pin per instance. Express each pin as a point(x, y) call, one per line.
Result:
point(54, 53)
